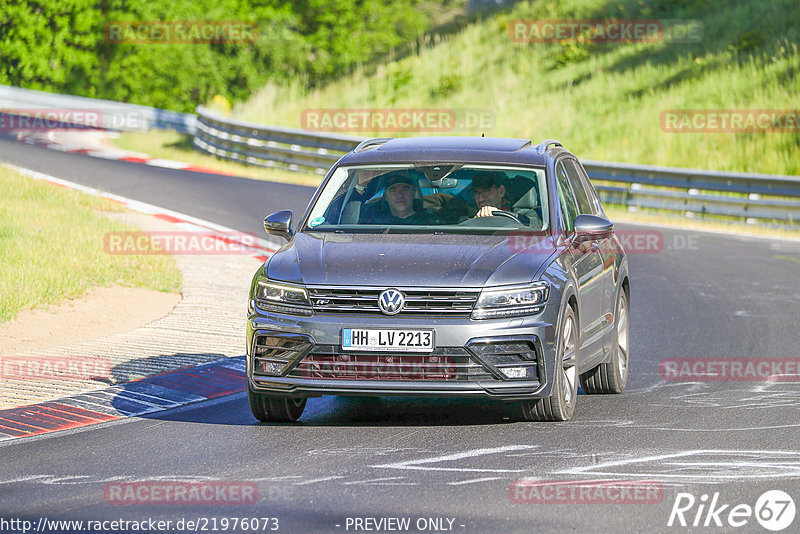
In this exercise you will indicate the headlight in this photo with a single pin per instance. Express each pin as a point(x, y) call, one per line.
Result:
point(511, 302)
point(282, 298)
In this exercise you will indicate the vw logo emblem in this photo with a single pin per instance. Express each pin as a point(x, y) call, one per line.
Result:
point(391, 301)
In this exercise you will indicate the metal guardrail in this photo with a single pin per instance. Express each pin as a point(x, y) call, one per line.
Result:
point(697, 192)
point(693, 192)
point(269, 146)
point(690, 191)
point(113, 115)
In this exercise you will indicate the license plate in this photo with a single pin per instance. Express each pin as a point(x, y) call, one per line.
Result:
point(387, 339)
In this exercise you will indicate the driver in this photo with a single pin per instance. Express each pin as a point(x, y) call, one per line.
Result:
point(400, 196)
point(398, 205)
point(490, 196)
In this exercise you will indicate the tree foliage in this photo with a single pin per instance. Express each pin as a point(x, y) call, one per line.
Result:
point(62, 46)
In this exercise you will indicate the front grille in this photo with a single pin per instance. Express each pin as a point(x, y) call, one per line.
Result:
point(329, 362)
point(442, 302)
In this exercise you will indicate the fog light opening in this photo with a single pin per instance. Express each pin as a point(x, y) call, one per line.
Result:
point(271, 368)
point(515, 372)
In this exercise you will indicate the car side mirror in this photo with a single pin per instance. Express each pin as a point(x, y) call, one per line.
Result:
point(590, 227)
point(279, 224)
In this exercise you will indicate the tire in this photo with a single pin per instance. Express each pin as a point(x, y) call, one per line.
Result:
point(560, 405)
point(611, 377)
point(272, 409)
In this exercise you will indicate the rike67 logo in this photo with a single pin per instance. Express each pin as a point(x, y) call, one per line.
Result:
point(774, 510)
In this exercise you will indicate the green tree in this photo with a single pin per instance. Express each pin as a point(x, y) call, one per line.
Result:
point(62, 46)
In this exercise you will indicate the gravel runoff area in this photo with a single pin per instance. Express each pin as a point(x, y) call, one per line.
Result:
point(206, 325)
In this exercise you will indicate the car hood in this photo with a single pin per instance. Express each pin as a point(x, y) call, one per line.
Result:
point(448, 260)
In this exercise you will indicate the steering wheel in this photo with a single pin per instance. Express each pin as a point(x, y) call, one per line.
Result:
point(508, 214)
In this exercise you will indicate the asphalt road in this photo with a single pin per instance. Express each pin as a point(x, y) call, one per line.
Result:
point(235, 202)
point(451, 461)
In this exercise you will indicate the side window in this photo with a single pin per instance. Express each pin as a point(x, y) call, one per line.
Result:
point(569, 210)
point(594, 200)
point(582, 198)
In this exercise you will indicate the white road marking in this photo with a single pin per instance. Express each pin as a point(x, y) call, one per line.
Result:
point(417, 464)
point(395, 484)
point(721, 465)
point(23, 479)
point(739, 429)
point(315, 480)
point(384, 481)
point(274, 479)
point(474, 480)
point(86, 479)
point(168, 163)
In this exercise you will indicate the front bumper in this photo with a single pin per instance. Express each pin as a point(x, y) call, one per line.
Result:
point(463, 337)
point(520, 390)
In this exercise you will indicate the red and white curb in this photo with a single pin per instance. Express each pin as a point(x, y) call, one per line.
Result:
point(50, 141)
point(134, 399)
point(256, 247)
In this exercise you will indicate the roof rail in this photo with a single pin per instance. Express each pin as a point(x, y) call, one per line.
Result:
point(366, 143)
point(542, 148)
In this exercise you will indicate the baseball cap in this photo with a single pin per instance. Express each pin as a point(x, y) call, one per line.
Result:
point(398, 178)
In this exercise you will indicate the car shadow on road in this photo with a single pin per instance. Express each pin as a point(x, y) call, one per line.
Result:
point(407, 411)
point(355, 411)
point(167, 385)
point(220, 399)
point(153, 365)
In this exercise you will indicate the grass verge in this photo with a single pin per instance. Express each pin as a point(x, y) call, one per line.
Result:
point(52, 247)
point(604, 101)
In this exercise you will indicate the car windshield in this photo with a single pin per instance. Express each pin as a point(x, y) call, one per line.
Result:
point(441, 198)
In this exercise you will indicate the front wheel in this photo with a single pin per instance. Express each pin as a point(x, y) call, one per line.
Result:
point(560, 405)
point(611, 377)
point(273, 409)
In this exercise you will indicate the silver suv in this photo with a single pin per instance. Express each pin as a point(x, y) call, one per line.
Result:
point(443, 267)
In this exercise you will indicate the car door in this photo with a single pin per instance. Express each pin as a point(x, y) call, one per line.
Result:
point(610, 254)
point(588, 270)
point(588, 203)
